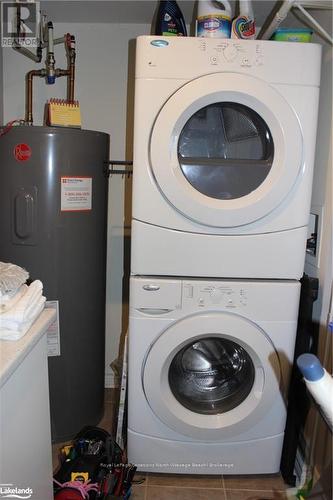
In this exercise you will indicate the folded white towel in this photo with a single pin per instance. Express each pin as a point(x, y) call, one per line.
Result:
point(11, 277)
point(13, 324)
point(7, 334)
point(9, 300)
point(21, 310)
point(5, 297)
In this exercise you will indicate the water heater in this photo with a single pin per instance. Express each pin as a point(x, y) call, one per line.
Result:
point(53, 222)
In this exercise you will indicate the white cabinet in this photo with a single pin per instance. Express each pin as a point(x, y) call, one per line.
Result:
point(25, 437)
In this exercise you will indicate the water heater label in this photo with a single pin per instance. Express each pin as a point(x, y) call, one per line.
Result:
point(53, 331)
point(76, 194)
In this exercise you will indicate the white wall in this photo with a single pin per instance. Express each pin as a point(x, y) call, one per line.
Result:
point(317, 434)
point(102, 89)
point(321, 202)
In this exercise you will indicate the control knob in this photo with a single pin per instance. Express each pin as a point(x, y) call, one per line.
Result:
point(230, 53)
point(215, 295)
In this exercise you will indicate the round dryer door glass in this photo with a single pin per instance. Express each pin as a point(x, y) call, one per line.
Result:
point(225, 150)
point(211, 376)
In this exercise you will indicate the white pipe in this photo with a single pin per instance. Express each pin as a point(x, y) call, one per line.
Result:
point(317, 4)
point(315, 24)
point(50, 38)
point(267, 32)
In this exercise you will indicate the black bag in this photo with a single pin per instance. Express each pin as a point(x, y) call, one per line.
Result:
point(94, 463)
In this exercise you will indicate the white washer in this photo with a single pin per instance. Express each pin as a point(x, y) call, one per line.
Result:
point(209, 365)
point(224, 142)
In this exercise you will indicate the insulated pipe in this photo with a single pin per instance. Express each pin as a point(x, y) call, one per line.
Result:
point(50, 60)
point(50, 37)
point(29, 82)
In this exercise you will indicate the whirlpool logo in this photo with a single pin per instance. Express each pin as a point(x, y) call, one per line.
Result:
point(11, 491)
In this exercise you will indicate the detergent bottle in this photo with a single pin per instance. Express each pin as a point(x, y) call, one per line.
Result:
point(213, 19)
point(243, 25)
point(170, 20)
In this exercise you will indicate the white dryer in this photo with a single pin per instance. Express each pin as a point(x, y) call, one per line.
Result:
point(209, 365)
point(224, 142)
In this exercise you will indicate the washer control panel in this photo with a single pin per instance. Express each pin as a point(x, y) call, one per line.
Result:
point(214, 295)
point(225, 51)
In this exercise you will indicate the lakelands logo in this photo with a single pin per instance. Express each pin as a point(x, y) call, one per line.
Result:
point(11, 491)
point(20, 24)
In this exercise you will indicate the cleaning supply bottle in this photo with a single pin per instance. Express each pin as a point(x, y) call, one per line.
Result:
point(243, 26)
point(318, 382)
point(170, 20)
point(214, 19)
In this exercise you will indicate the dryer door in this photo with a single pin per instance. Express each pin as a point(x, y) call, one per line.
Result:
point(211, 374)
point(226, 149)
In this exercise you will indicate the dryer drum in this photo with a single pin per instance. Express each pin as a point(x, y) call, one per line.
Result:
point(211, 376)
point(225, 150)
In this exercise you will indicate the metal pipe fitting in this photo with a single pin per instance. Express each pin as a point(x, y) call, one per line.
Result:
point(51, 73)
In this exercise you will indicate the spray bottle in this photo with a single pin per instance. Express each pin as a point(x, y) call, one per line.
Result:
point(243, 25)
point(213, 19)
point(170, 20)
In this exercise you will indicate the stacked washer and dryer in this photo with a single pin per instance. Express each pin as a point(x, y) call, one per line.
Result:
point(224, 143)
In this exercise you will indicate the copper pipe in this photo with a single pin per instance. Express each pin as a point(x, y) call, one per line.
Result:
point(69, 72)
point(29, 82)
point(70, 49)
point(61, 72)
point(71, 78)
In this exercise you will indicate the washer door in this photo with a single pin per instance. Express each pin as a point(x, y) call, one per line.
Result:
point(226, 149)
point(211, 374)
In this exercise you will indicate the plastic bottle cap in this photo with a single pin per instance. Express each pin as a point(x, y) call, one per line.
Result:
point(310, 367)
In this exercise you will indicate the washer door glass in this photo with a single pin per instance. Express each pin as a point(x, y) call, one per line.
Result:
point(213, 382)
point(211, 375)
point(225, 150)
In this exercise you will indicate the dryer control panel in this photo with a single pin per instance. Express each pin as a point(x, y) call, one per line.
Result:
point(226, 51)
point(185, 58)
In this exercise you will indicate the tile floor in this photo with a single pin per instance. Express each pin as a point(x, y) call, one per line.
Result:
point(190, 487)
point(186, 487)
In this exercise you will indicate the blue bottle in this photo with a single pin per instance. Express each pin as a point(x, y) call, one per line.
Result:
point(170, 20)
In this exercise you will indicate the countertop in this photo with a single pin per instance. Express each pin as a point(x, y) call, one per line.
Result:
point(13, 352)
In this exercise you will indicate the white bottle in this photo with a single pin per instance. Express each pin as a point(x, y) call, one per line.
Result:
point(318, 382)
point(243, 26)
point(213, 19)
